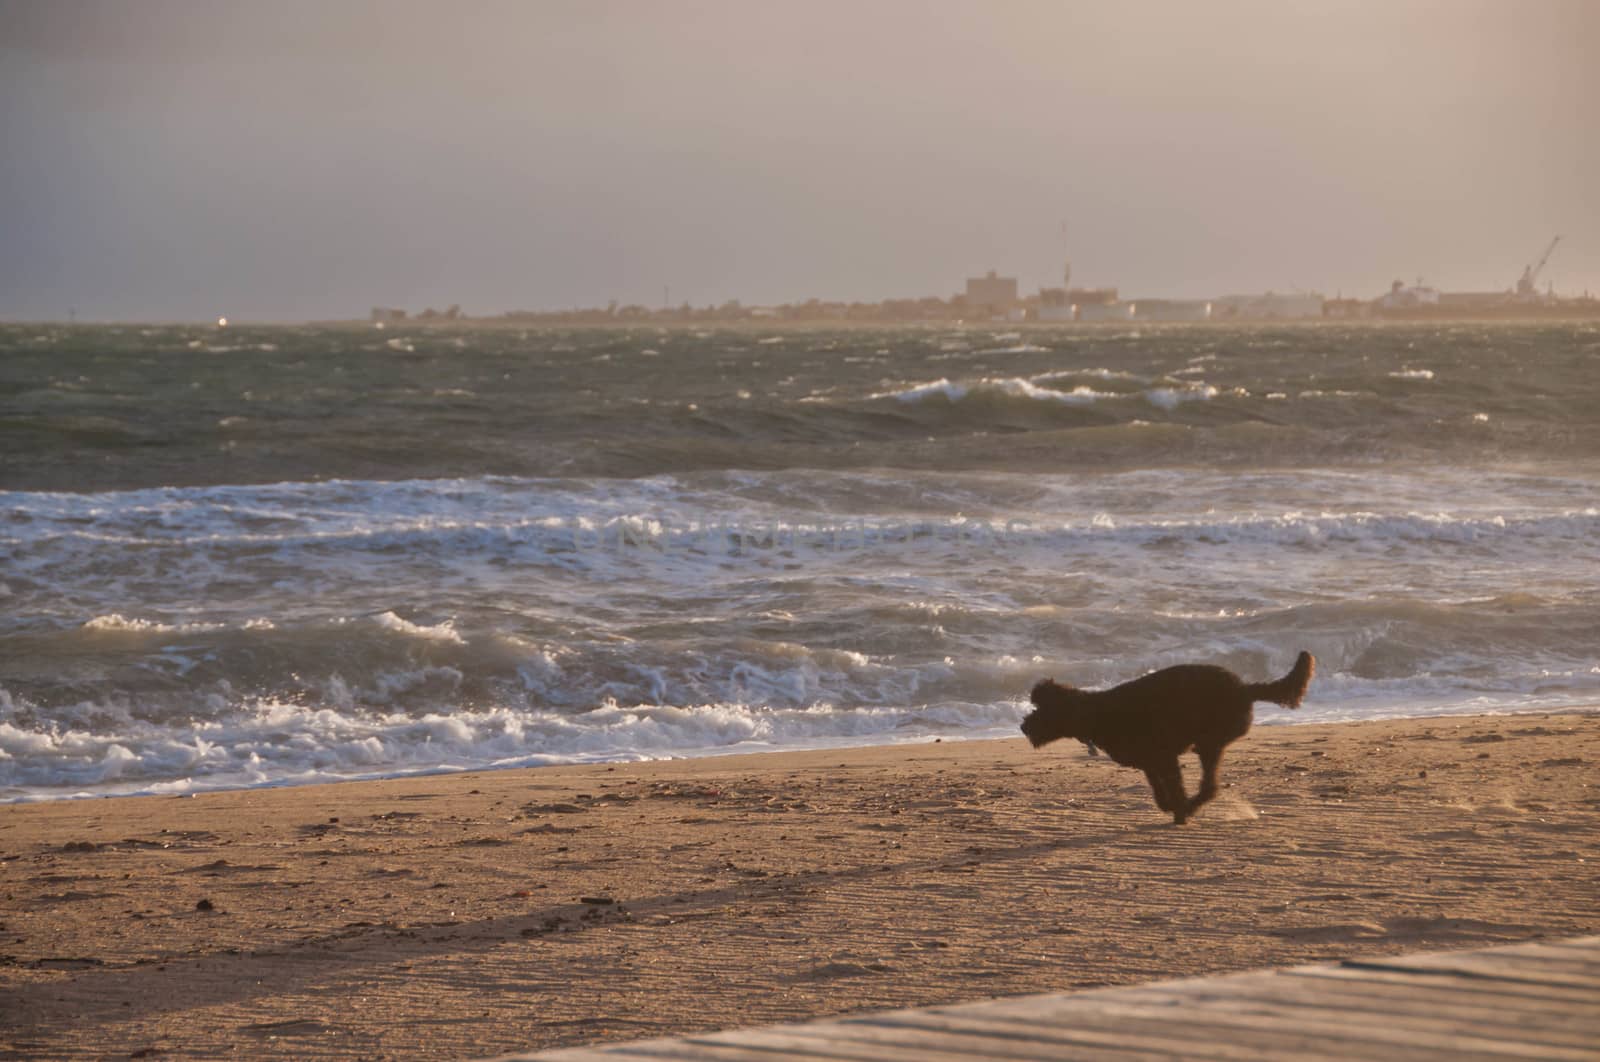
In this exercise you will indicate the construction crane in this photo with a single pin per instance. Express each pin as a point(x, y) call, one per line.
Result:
point(1530, 274)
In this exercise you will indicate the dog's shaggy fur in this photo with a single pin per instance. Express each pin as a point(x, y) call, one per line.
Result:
point(1151, 721)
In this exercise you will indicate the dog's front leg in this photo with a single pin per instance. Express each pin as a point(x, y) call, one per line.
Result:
point(1167, 781)
point(1159, 788)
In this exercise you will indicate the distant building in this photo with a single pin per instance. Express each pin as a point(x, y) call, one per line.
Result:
point(1053, 305)
point(1346, 308)
point(381, 314)
point(1080, 304)
point(993, 295)
point(1415, 297)
point(1268, 307)
point(1092, 296)
point(1102, 311)
point(1473, 301)
point(1170, 310)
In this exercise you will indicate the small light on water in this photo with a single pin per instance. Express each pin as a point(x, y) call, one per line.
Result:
point(222, 322)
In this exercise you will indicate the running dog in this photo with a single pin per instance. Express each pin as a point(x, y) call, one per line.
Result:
point(1151, 721)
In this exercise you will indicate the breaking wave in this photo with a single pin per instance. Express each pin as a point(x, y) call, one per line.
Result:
point(324, 555)
point(944, 390)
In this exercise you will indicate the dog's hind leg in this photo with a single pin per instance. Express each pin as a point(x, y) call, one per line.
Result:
point(1172, 774)
point(1210, 759)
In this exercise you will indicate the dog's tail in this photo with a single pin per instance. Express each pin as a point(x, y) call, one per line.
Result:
point(1288, 690)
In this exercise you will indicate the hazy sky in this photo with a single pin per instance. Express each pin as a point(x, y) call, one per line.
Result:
point(290, 160)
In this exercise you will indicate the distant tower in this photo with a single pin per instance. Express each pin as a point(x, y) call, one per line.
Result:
point(1066, 270)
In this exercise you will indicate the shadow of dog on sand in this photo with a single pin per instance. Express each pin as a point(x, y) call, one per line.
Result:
point(1151, 721)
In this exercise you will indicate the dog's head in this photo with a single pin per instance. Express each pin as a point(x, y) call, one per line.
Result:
point(1056, 714)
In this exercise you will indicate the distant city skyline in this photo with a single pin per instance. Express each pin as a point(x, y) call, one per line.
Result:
point(179, 160)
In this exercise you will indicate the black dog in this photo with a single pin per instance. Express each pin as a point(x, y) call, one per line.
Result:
point(1151, 721)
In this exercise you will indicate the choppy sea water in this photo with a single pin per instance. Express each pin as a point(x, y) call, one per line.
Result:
point(270, 556)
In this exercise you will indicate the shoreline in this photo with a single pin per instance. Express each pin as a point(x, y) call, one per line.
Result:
point(846, 743)
point(472, 913)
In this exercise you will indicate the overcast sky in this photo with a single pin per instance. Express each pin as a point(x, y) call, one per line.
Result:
point(291, 159)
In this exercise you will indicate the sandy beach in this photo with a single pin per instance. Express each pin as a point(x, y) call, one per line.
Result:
point(471, 914)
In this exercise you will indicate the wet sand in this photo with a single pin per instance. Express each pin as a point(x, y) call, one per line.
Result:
point(472, 914)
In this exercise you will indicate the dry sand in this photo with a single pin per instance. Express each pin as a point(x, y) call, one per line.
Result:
point(473, 914)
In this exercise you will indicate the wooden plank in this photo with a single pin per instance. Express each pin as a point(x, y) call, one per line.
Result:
point(1579, 951)
point(1453, 981)
point(1076, 1031)
point(1498, 969)
point(1426, 999)
point(1089, 1035)
point(1088, 1025)
point(1385, 1037)
point(1401, 991)
point(1581, 956)
point(842, 1040)
point(1422, 1020)
point(1525, 994)
point(1537, 1000)
point(836, 1042)
point(879, 1040)
point(1071, 1027)
point(697, 1049)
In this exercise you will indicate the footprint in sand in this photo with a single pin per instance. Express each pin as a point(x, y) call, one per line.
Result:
point(220, 867)
point(1441, 928)
point(1338, 931)
point(1435, 929)
point(273, 1029)
point(831, 970)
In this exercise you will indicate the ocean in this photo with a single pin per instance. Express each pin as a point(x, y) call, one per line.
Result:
point(264, 556)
